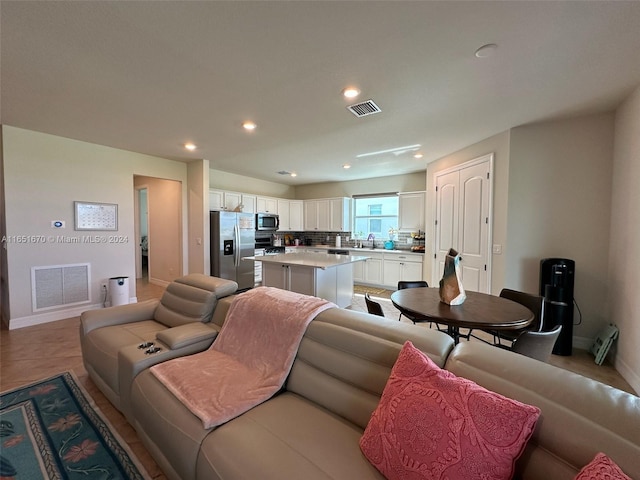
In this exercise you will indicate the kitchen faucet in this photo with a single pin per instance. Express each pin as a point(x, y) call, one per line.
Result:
point(372, 238)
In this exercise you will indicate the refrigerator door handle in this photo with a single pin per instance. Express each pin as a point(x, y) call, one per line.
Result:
point(236, 234)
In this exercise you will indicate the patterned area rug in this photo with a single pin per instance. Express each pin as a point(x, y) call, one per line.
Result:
point(53, 430)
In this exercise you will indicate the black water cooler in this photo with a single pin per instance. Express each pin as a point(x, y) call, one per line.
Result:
point(556, 286)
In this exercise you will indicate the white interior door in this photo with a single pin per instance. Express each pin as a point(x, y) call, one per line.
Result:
point(463, 221)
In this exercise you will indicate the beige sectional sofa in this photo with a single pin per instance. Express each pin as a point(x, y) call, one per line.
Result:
point(311, 429)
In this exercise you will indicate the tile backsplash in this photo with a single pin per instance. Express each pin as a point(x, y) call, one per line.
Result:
point(329, 238)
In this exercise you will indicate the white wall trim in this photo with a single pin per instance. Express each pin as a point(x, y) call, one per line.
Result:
point(48, 317)
point(627, 372)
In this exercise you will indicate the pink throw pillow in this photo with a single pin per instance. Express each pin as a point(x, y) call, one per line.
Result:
point(601, 468)
point(431, 424)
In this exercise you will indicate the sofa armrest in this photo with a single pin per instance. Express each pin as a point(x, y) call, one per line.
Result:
point(121, 314)
point(188, 334)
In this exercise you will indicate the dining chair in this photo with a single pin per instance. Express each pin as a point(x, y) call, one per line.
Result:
point(373, 307)
point(535, 303)
point(402, 284)
point(538, 345)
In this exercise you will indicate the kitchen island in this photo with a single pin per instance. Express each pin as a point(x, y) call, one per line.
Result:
point(322, 275)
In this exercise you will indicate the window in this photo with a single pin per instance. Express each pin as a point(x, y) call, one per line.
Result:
point(375, 215)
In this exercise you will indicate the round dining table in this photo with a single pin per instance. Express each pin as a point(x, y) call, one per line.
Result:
point(480, 310)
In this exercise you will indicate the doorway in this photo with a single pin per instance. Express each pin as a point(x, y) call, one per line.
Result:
point(464, 221)
point(142, 232)
point(162, 220)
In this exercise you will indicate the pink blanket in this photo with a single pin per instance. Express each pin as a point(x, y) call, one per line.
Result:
point(250, 359)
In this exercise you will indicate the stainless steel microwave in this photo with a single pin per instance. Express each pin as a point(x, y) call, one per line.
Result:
point(267, 222)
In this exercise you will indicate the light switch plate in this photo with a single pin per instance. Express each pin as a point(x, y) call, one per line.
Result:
point(497, 248)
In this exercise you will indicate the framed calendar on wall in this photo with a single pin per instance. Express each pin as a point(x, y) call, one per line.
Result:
point(96, 216)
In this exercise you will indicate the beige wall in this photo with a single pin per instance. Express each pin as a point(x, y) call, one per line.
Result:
point(559, 206)
point(4, 275)
point(499, 146)
point(413, 182)
point(238, 183)
point(61, 171)
point(623, 279)
point(198, 237)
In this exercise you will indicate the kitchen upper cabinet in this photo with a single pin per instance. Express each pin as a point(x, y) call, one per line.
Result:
point(311, 215)
point(266, 205)
point(296, 215)
point(291, 215)
point(249, 203)
point(411, 211)
point(339, 214)
point(216, 200)
point(327, 214)
point(231, 201)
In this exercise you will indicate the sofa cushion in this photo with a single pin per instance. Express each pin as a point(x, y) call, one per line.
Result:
point(101, 347)
point(601, 468)
point(287, 437)
point(166, 427)
point(433, 424)
point(580, 417)
point(345, 359)
point(192, 298)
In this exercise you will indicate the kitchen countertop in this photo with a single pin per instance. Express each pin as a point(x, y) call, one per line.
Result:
point(312, 260)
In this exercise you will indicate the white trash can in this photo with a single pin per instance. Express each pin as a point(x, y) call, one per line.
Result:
point(119, 290)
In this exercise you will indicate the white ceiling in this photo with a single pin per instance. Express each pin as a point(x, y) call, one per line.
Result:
point(150, 76)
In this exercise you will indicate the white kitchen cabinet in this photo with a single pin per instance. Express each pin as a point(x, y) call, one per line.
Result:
point(231, 201)
point(249, 203)
point(283, 212)
point(311, 215)
point(289, 277)
point(296, 217)
point(411, 211)
point(369, 271)
point(339, 214)
point(290, 213)
point(327, 214)
point(216, 200)
point(334, 284)
point(266, 205)
point(398, 267)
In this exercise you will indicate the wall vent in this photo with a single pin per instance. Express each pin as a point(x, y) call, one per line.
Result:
point(60, 285)
point(365, 108)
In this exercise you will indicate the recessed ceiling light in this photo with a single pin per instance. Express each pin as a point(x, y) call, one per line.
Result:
point(417, 155)
point(350, 92)
point(190, 146)
point(486, 50)
point(248, 125)
point(346, 166)
point(294, 174)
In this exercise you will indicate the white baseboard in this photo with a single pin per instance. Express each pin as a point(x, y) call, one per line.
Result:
point(628, 374)
point(48, 317)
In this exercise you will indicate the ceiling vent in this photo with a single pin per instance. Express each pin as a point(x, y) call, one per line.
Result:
point(365, 108)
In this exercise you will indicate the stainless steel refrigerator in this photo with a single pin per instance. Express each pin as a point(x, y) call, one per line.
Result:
point(233, 237)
